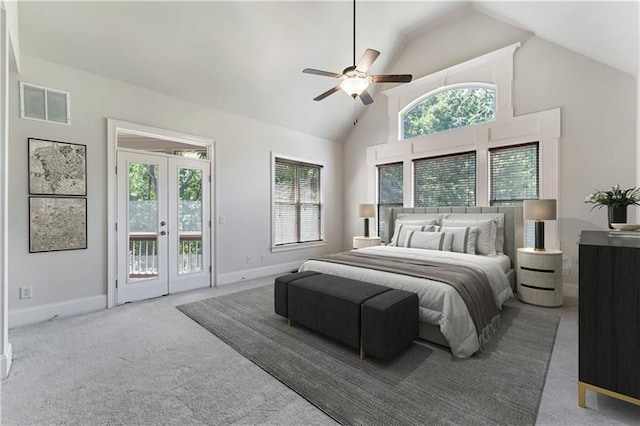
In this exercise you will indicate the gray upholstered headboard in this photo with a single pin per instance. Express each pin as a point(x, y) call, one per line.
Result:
point(513, 222)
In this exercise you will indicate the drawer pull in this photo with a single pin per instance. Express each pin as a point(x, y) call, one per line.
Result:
point(536, 287)
point(547, 271)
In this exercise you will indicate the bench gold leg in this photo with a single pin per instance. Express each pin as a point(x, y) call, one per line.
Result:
point(289, 323)
point(361, 352)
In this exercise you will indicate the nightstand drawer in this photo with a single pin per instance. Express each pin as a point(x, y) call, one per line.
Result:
point(537, 278)
point(538, 261)
point(539, 297)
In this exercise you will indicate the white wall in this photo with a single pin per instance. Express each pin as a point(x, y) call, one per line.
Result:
point(597, 144)
point(243, 176)
point(597, 148)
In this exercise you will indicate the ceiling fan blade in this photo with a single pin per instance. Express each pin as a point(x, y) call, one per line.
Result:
point(391, 78)
point(320, 72)
point(327, 93)
point(367, 60)
point(366, 97)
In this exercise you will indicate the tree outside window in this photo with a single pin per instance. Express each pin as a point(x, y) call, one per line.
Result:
point(450, 109)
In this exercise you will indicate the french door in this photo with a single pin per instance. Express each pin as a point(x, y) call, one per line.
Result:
point(163, 227)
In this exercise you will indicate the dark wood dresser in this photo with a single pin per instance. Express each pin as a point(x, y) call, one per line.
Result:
point(609, 347)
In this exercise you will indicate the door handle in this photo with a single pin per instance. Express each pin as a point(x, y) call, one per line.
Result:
point(163, 232)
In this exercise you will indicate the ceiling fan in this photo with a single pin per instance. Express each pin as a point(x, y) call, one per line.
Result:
point(355, 79)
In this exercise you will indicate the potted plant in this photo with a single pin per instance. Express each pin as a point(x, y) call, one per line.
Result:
point(616, 200)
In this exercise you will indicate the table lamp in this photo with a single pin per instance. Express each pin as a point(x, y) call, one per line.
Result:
point(539, 210)
point(366, 211)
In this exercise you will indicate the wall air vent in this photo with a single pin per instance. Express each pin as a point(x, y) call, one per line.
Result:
point(41, 103)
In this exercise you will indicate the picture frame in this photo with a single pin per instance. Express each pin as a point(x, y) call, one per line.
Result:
point(57, 168)
point(57, 223)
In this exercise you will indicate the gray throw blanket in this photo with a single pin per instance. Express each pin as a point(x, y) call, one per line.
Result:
point(472, 284)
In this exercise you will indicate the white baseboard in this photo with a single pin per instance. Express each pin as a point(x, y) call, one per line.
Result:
point(5, 363)
point(24, 316)
point(249, 274)
point(570, 290)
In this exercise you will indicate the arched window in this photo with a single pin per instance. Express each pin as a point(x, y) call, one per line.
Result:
point(448, 109)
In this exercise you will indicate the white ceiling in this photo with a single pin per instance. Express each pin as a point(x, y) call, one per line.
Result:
point(246, 58)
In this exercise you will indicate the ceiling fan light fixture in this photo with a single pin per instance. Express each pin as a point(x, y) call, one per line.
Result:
point(354, 86)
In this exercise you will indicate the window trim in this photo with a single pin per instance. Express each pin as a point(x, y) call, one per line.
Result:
point(436, 91)
point(495, 68)
point(297, 245)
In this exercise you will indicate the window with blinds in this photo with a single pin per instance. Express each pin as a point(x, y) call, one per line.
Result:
point(448, 180)
point(389, 191)
point(297, 212)
point(513, 174)
point(513, 178)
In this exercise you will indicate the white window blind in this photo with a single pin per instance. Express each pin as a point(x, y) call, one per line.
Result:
point(297, 202)
point(513, 174)
point(448, 180)
point(390, 190)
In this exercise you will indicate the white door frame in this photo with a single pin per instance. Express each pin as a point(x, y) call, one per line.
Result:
point(114, 128)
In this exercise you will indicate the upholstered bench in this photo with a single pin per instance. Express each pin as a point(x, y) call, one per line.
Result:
point(374, 318)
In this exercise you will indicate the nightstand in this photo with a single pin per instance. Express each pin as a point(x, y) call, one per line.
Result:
point(362, 242)
point(540, 277)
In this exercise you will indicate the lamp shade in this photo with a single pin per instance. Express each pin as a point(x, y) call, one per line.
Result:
point(540, 209)
point(366, 210)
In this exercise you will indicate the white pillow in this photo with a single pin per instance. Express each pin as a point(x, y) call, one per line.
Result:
point(486, 240)
point(497, 217)
point(464, 238)
point(429, 240)
point(424, 225)
point(401, 232)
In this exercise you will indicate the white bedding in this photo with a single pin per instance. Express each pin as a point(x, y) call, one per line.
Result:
point(440, 304)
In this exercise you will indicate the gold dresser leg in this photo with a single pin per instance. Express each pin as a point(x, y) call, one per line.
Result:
point(289, 323)
point(361, 349)
point(582, 390)
point(582, 387)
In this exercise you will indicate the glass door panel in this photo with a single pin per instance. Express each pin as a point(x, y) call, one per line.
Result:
point(190, 223)
point(143, 221)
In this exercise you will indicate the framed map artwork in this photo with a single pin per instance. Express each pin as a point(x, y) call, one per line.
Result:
point(57, 223)
point(57, 168)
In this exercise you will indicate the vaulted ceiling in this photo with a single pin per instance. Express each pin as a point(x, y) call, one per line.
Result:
point(246, 58)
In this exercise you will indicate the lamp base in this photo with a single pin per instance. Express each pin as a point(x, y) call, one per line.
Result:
point(366, 227)
point(539, 231)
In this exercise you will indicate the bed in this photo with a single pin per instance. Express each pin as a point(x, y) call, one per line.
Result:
point(445, 318)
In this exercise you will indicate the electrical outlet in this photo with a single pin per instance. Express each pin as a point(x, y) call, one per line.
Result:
point(248, 259)
point(26, 292)
point(262, 257)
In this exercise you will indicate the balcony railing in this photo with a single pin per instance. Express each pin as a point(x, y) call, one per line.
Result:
point(143, 254)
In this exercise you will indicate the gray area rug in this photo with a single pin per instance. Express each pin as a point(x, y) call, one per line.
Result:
point(424, 385)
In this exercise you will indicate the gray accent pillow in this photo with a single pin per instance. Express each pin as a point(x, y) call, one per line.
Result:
point(497, 217)
point(429, 240)
point(464, 238)
point(486, 239)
